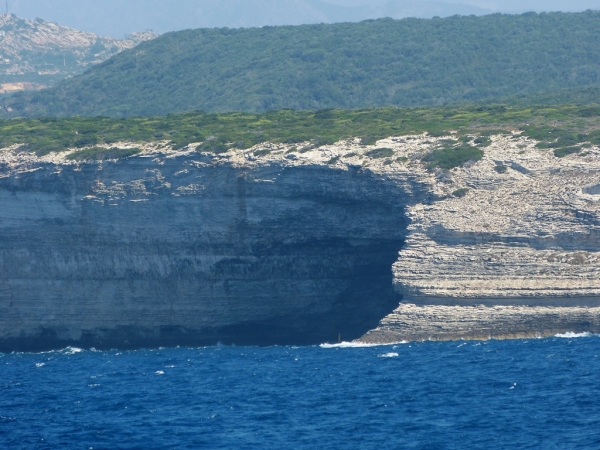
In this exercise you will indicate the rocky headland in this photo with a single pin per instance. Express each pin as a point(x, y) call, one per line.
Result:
point(35, 54)
point(302, 244)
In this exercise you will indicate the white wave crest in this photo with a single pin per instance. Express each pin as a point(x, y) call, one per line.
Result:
point(359, 345)
point(389, 355)
point(570, 335)
point(71, 350)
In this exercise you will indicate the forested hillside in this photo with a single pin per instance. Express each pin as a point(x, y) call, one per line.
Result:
point(409, 62)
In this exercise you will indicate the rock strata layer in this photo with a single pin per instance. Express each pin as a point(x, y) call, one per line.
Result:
point(441, 323)
point(189, 249)
point(516, 254)
point(297, 245)
point(527, 236)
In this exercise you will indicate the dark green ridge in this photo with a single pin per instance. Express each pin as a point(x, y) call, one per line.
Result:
point(578, 96)
point(409, 62)
point(556, 127)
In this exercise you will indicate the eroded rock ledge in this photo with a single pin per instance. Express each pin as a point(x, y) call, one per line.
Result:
point(442, 322)
point(298, 245)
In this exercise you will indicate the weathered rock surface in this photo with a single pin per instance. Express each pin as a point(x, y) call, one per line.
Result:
point(528, 237)
point(442, 322)
point(297, 245)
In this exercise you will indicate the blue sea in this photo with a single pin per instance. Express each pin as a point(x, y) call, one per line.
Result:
point(525, 394)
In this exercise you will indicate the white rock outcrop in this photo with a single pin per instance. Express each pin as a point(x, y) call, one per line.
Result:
point(530, 235)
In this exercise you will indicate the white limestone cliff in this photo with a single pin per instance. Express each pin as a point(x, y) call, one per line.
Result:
point(253, 245)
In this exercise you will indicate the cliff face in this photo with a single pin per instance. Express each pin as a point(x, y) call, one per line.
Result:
point(529, 235)
point(185, 249)
point(297, 245)
point(520, 235)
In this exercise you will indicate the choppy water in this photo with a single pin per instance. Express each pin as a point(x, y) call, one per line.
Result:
point(538, 394)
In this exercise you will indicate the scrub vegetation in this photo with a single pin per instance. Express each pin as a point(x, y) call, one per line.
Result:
point(570, 127)
point(451, 157)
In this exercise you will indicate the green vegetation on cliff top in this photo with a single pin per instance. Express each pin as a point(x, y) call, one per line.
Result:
point(557, 127)
point(410, 62)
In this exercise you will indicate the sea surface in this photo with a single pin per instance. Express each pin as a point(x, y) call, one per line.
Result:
point(520, 394)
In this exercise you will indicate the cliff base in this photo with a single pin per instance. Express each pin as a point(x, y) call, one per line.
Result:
point(410, 322)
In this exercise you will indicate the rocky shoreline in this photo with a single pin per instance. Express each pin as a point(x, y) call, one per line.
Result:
point(410, 322)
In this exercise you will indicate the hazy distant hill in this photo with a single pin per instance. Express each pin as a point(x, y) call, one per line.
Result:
point(384, 62)
point(118, 17)
point(35, 54)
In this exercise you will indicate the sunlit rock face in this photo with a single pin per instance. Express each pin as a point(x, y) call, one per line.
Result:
point(517, 232)
point(190, 250)
point(527, 236)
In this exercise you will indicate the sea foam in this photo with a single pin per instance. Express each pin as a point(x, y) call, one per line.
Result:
point(359, 345)
point(570, 335)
